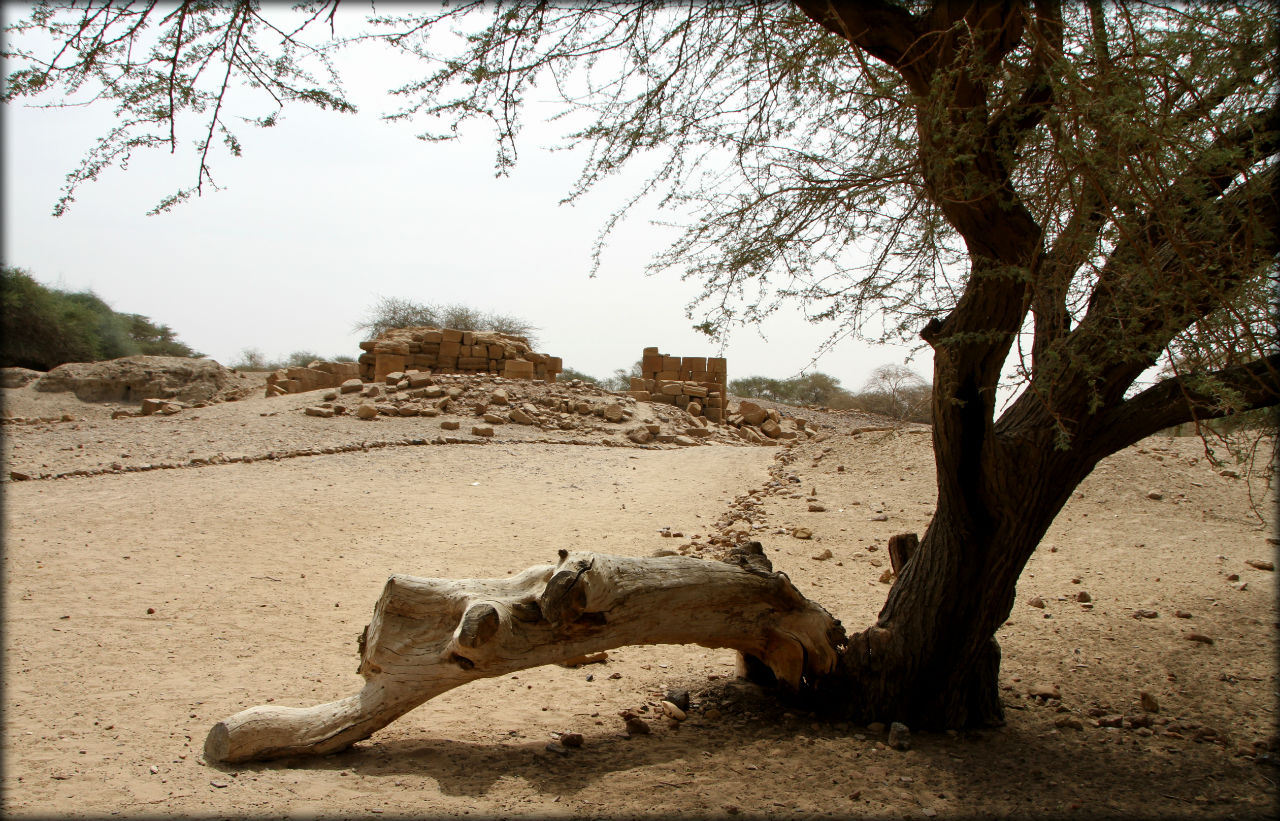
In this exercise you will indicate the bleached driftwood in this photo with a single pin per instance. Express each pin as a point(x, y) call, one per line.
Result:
point(428, 636)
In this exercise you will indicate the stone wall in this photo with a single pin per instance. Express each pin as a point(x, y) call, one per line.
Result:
point(445, 350)
point(314, 376)
point(695, 383)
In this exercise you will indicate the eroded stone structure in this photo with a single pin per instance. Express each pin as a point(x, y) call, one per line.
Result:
point(695, 383)
point(447, 350)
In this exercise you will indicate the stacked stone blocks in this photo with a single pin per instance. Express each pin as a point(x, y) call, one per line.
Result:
point(314, 376)
point(694, 383)
point(447, 350)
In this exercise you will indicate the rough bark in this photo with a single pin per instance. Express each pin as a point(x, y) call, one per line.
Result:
point(428, 636)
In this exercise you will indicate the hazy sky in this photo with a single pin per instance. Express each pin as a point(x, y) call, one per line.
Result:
point(325, 213)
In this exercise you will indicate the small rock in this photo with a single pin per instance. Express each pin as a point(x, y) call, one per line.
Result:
point(493, 419)
point(571, 739)
point(802, 533)
point(329, 396)
point(1145, 614)
point(154, 769)
point(324, 413)
point(450, 424)
point(1233, 577)
point(817, 507)
point(151, 611)
point(673, 711)
point(1148, 702)
point(679, 697)
point(351, 386)
point(1260, 564)
point(1083, 596)
point(880, 517)
point(1036, 601)
point(1181, 614)
point(887, 576)
point(1068, 723)
point(899, 736)
point(500, 397)
point(218, 784)
point(1155, 495)
point(637, 726)
point(1200, 637)
point(822, 557)
point(366, 411)
point(553, 747)
point(1113, 720)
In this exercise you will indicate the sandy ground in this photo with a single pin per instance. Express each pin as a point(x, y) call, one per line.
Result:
point(151, 597)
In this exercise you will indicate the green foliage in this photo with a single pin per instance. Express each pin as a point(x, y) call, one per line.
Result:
point(621, 378)
point(569, 373)
point(394, 312)
point(46, 327)
point(253, 359)
point(891, 391)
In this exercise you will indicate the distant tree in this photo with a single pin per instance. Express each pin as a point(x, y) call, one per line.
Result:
point(810, 389)
point(569, 373)
point(758, 387)
point(157, 340)
point(252, 359)
point(897, 392)
point(621, 378)
point(393, 312)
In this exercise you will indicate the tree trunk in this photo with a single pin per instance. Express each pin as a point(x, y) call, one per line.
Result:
point(428, 636)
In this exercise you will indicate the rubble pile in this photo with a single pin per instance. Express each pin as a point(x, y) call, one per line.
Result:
point(692, 383)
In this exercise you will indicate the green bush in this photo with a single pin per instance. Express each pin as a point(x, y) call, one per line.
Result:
point(47, 327)
point(393, 312)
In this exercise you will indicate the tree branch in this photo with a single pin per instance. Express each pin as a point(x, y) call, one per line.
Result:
point(1175, 401)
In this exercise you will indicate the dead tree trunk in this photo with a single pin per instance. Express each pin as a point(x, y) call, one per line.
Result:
point(428, 636)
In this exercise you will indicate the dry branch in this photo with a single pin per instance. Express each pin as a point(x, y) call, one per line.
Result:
point(428, 636)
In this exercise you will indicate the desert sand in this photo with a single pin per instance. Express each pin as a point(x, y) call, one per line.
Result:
point(227, 556)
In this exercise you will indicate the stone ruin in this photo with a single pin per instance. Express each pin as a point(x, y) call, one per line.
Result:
point(446, 350)
point(429, 350)
point(694, 383)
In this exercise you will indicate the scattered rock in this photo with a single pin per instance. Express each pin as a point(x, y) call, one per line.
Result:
point(1083, 596)
point(899, 736)
point(1181, 614)
point(1199, 637)
point(802, 533)
point(887, 576)
point(671, 710)
point(366, 411)
point(1233, 577)
point(1260, 564)
point(1145, 614)
point(571, 739)
point(1148, 702)
point(1036, 601)
point(481, 430)
point(1068, 722)
point(637, 726)
point(880, 517)
point(679, 697)
point(324, 413)
point(351, 386)
point(1155, 495)
point(499, 397)
point(817, 507)
point(823, 556)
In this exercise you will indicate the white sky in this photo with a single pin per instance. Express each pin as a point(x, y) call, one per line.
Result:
point(325, 213)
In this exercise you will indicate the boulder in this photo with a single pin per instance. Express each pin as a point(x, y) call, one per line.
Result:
point(134, 378)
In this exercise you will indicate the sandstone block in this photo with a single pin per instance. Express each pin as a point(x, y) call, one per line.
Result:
point(473, 363)
point(419, 380)
point(150, 406)
point(694, 390)
point(770, 428)
point(613, 413)
point(520, 417)
point(517, 369)
point(671, 389)
point(468, 338)
point(351, 386)
point(435, 337)
point(385, 363)
point(640, 435)
point(366, 411)
point(493, 419)
point(450, 424)
point(482, 430)
point(651, 363)
point(500, 397)
point(639, 396)
point(694, 363)
point(451, 335)
point(694, 409)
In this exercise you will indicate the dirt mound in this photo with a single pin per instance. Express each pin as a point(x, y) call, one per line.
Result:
point(17, 377)
point(134, 378)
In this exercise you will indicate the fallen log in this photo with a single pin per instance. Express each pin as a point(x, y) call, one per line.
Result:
point(428, 636)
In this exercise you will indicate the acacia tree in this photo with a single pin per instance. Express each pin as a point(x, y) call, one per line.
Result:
point(1064, 192)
